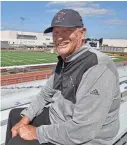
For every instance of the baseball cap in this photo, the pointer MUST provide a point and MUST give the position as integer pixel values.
(66, 18)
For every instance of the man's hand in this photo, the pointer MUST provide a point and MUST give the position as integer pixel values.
(24, 121)
(27, 132)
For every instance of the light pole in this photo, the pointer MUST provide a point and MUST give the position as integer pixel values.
(22, 20)
(21, 24)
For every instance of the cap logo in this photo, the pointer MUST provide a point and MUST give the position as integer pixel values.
(60, 17)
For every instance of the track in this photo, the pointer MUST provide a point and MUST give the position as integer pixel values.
(25, 77)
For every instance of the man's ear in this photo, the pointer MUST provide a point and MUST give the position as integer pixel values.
(83, 31)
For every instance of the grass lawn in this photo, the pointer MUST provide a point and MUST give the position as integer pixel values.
(120, 59)
(12, 58)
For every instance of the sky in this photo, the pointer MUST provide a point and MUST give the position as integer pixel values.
(102, 19)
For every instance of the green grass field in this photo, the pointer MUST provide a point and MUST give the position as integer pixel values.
(118, 59)
(12, 58)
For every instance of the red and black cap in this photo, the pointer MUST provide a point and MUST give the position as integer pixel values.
(66, 18)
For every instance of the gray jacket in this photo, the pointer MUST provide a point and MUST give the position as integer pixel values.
(93, 119)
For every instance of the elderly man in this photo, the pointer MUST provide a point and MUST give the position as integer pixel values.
(80, 102)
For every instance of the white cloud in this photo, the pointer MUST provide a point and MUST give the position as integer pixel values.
(95, 5)
(84, 8)
(89, 11)
(116, 22)
(69, 3)
(52, 10)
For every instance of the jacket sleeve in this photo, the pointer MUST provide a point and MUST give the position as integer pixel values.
(37, 105)
(93, 101)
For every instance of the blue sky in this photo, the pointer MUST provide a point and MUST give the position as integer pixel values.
(102, 19)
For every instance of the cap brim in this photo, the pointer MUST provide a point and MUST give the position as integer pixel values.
(48, 30)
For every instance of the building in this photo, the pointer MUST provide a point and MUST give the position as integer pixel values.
(18, 39)
(113, 49)
(93, 43)
(21, 39)
(115, 42)
(114, 45)
(4, 44)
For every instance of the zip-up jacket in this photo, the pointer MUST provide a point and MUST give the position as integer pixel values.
(83, 97)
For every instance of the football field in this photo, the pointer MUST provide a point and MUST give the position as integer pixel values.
(14, 58)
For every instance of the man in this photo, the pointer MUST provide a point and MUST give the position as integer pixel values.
(80, 102)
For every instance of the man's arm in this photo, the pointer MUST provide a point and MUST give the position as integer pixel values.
(38, 104)
(93, 101)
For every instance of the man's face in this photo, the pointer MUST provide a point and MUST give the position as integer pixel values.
(67, 40)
